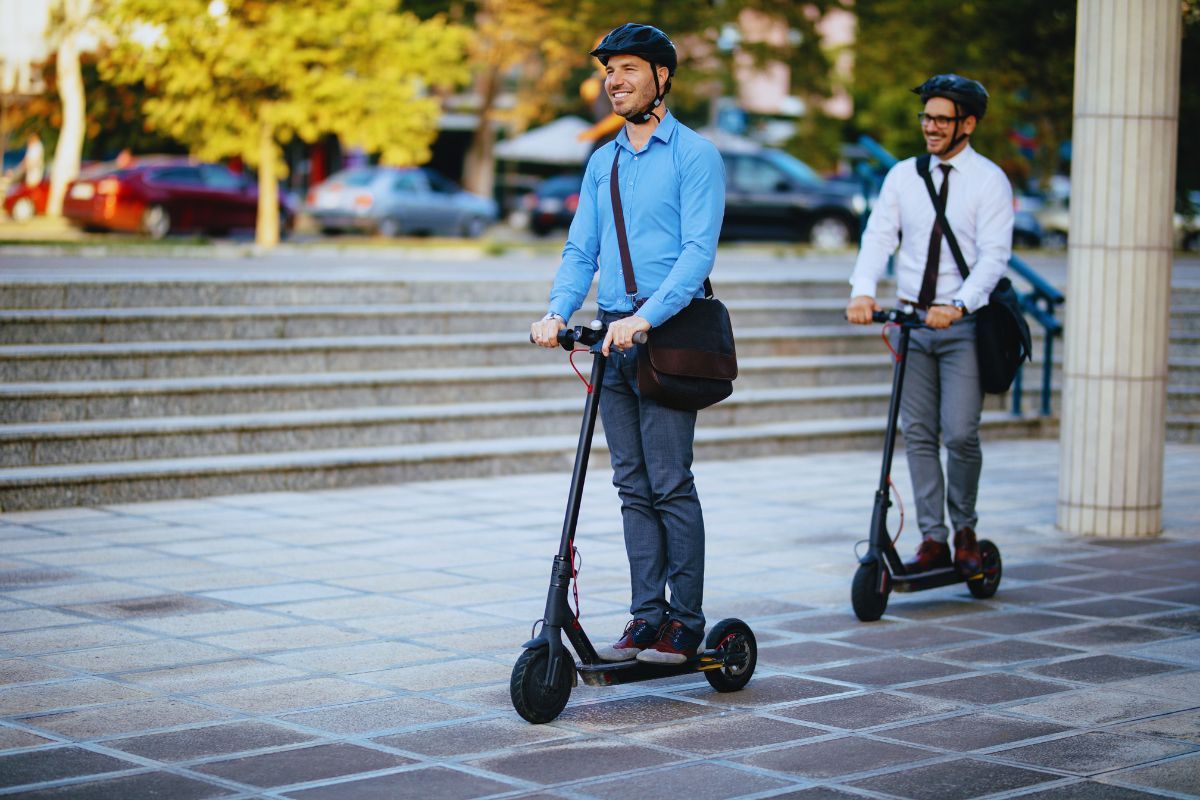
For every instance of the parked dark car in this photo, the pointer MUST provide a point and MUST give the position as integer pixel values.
(770, 194)
(22, 203)
(392, 201)
(162, 195)
(552, 203)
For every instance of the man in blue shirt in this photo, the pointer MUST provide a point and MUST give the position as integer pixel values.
(672, 192)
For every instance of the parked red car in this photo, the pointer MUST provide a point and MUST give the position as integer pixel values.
(22, 203)
(162, 195)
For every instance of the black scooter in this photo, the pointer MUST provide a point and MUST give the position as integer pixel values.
(545, 673)
(880, 569)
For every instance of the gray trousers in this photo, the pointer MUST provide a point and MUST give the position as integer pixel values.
(942, 400)
(650, 446)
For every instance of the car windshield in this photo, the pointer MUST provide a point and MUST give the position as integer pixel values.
(796, 169)
(355, 177)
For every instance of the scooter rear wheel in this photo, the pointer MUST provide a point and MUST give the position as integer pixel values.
(986, 585)
(733, 637)
(869, 603)
(532, 697)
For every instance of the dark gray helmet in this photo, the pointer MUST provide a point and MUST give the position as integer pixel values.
(965, 92)
(644, 41)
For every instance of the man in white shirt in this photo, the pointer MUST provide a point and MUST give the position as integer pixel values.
(941, 398)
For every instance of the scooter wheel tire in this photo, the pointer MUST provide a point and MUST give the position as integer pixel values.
(985, 586)
(869, 603)
(733, 637)
(532, 697)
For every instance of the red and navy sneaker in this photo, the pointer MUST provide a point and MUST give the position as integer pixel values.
(675, 645)
(639, 634)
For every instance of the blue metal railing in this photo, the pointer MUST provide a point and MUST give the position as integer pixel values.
(1040, 302)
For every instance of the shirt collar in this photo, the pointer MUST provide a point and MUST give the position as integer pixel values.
(960, 160)
(663, 132)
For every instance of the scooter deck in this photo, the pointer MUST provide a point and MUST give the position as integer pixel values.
(916, 582)
(612, 673)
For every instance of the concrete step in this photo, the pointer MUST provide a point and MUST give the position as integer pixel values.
(131, 481)
(130, 360)
(1183, 428)
(165, 323)
(190, 436)
(69, 401)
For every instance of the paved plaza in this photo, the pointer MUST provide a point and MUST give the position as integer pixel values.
(358, 644)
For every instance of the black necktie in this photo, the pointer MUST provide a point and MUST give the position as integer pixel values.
(929, 282)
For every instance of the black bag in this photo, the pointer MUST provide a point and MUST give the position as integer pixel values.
(688, 362)
(1002, 338)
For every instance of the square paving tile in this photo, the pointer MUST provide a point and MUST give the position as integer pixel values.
(834, 757)
(378, 715)
(214, 740)
(867, 710)
(1037, 595)
(1113, 607)
(275, 698)
(726, 733)
(152, 784)
(766, 691)
(1102, 669)
(1108, 635)
(1008, 651)
(432, 783)
(480, 736)
(938, 608)
(1180, 594)
(630, 712)
(817, 793)
(1016, 623)
(1092, 753)
(972, 732)
(888, 671)
(1090, 790)
(38, 766)
(304, 764)
(1177, 775)
(909, 637)
(694, 781)
(1120, 582)
(558, 763)
(938, 781)
(1183, 651)
(1098, 706)
(125, 718)
(988, 689)
(1188, 621)
(1034, 571)
(824, 624)
(807, 654)
(1184, 726)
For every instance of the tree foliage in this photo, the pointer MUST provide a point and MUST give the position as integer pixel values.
(238, 77)
(1023, 51)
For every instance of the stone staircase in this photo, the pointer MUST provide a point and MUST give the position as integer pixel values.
(161, 387)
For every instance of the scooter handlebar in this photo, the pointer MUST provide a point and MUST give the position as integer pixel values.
(592, 334)
(905, 315)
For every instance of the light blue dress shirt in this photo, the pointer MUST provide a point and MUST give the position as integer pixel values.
(673, 198)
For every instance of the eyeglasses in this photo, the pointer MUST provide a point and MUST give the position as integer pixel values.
(938, 122)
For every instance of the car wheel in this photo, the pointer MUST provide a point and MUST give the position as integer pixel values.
(473, 227)
(389, 227)
(23, 210)
(830, 233)
(156, 222)
(1054, 240)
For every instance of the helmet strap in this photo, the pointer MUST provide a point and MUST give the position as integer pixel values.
(647, 113)
(955, 139)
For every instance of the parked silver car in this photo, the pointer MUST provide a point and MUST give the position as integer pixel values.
(393, 201)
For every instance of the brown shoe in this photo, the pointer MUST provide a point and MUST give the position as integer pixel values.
(932, 554)
(966, 553)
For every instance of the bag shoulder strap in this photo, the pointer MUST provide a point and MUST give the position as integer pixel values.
(614, 190)
(947, 231)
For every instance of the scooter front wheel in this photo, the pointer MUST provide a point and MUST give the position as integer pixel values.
(869, 603)
(532, 696)
(735, 642)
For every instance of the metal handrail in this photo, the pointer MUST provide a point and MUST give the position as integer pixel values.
(1039, 302)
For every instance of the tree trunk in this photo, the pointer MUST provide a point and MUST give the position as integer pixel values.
(479, 175)
(266, 232)
(70, 90)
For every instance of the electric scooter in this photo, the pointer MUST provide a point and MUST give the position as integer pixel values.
(880, 569)
(545, 673)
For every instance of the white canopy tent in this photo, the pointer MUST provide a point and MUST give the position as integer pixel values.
(554, 143)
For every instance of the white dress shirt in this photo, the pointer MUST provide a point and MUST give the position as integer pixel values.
(979, 208)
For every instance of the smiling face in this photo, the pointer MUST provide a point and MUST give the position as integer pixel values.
(630, 83)
(939, 136)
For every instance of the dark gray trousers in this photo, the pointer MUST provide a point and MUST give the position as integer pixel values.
(941, 403)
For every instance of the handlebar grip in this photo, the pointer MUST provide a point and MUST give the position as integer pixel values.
(880, 316)
(640, 337)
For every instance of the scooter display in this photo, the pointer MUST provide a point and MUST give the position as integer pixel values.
(880, 569)
(545, 673)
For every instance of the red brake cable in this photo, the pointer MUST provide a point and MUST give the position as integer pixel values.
(577, 372)
(887, 341)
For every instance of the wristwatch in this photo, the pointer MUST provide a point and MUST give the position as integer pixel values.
(960, 305)
(552, 315)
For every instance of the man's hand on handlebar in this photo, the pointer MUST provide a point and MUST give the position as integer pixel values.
(861, 308)
(544, 332)
(939, 317)
(621, 332)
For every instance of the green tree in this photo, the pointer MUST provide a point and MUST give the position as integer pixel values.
(239, 77)
(1023, 51)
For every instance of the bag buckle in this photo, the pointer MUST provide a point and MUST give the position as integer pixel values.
(636, 302)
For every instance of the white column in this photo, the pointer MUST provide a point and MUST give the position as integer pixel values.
(1119, 272)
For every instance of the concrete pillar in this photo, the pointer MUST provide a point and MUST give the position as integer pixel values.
(1119, 270)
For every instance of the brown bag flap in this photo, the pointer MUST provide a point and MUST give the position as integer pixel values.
(694, 363)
